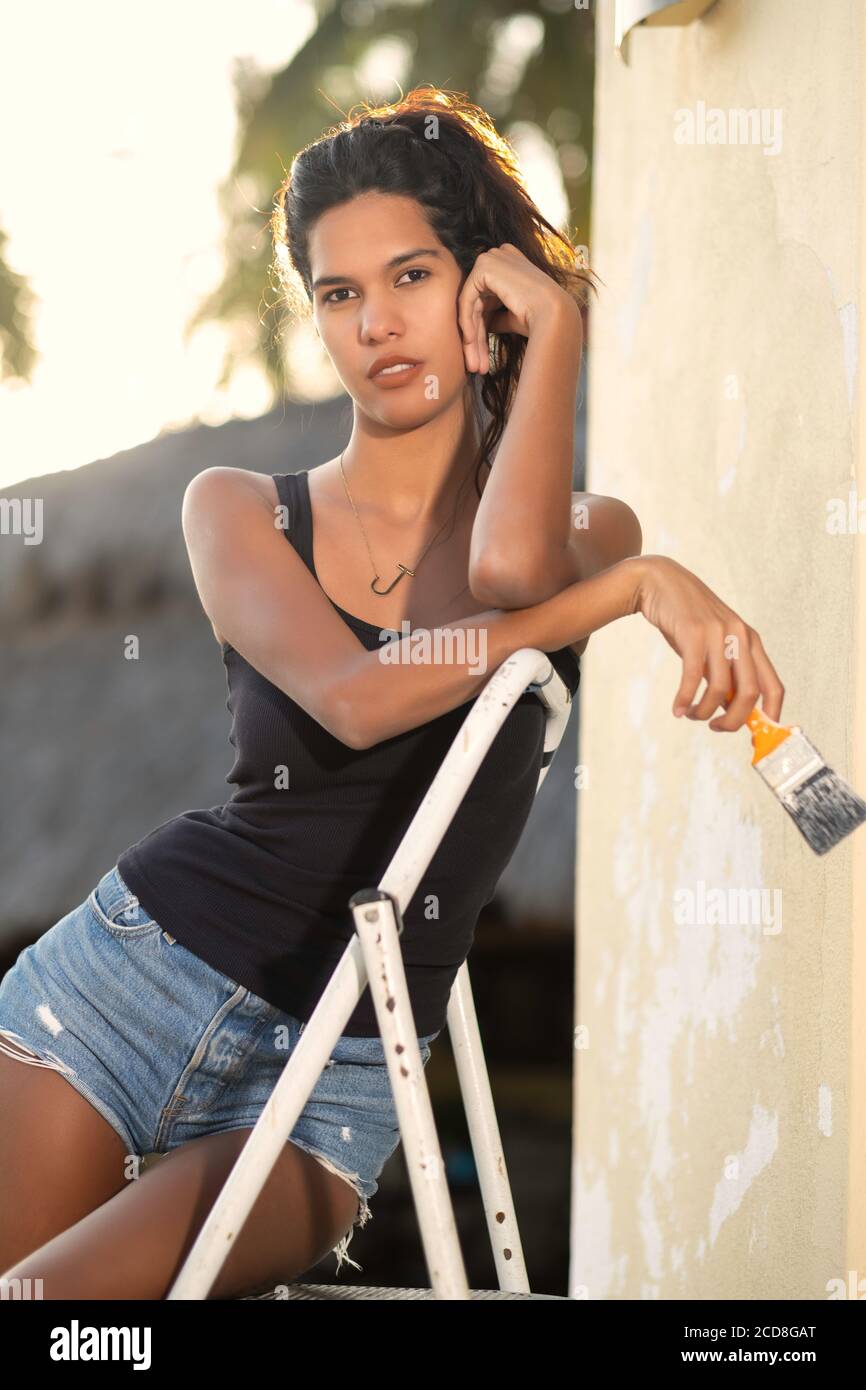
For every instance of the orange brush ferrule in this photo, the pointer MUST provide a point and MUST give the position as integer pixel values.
(766, 733)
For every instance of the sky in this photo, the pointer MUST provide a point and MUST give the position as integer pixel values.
(119, 127)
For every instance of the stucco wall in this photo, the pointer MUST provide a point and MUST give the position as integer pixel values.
(719, 1144)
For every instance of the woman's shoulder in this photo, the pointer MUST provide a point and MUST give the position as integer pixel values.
(263, 484)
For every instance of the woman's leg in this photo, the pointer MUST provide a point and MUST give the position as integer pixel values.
(134, 1245)
(59, 1158)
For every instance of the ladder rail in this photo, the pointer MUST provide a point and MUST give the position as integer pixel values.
(526, 669)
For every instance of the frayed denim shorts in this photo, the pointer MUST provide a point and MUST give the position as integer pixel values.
(167, 1049)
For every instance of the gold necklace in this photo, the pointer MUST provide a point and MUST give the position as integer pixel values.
(404, 569)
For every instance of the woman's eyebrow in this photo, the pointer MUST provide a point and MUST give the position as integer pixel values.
(389, 265)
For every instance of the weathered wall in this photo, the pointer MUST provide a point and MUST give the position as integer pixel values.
(719, 1141)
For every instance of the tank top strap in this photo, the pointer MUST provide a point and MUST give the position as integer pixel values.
(292, 492)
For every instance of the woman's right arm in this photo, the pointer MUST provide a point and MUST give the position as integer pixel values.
(385, 697)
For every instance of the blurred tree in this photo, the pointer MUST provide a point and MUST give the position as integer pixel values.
(16, 314)
(522, 65)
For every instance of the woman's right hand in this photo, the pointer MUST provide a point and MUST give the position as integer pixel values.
(700, 628)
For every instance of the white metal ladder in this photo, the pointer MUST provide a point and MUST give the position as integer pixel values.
(374, 957)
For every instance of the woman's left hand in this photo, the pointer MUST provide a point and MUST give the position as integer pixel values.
(504, 293)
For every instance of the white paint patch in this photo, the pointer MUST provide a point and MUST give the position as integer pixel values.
(345, 1133)
(825, 1110)
(592, 1266)
(651, 1231)
(716, 965)
(44, 1014)
(760, 1148)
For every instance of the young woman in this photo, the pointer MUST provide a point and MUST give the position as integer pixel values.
(148, 1017)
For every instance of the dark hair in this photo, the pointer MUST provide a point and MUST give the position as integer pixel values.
(437, 147)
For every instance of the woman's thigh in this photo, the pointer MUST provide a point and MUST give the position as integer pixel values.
(59, 1157)
(134, 1245)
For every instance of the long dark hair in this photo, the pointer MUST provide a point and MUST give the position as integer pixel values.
(437, 147)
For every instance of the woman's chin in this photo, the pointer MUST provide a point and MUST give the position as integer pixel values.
(401, 411)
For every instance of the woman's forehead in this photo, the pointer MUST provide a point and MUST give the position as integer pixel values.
(369, 230)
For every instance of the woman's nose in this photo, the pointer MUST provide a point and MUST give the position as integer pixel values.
(380, 320)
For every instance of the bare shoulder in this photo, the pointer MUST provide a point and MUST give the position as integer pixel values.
(214, 493)
(222, 481)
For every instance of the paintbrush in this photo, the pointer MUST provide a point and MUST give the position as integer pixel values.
(822, 805)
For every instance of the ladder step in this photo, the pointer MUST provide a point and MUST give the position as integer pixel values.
(340, 1291)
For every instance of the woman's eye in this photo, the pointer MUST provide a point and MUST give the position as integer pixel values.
(416, 270)
(344, 289)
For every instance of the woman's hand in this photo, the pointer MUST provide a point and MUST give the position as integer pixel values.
(714, 644)
(504, 293)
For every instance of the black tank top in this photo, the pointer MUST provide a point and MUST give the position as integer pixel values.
(258, 887)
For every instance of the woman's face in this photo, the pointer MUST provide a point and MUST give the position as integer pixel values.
(374, 305)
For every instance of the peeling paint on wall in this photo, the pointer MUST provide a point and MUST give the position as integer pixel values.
(743, 1168)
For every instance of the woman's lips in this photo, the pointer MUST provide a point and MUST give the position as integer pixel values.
(390, 379)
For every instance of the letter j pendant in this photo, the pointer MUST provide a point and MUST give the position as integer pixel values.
(405, 570)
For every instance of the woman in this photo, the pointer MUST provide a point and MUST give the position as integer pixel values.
(161, 998)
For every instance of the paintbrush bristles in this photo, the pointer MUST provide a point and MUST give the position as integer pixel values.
(823, 806)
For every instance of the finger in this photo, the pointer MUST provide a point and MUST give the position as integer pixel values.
(719, 680)
(746, 692)
(470, 350)
(480, 334)
(693, 670)
(466, 322)
(705, 675)
(772, 689)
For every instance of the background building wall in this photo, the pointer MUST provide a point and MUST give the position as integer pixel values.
(718, 1069)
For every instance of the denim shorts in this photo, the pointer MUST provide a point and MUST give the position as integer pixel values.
(167, 1048)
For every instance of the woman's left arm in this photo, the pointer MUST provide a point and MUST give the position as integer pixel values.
(532, 535)
(604, 530)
